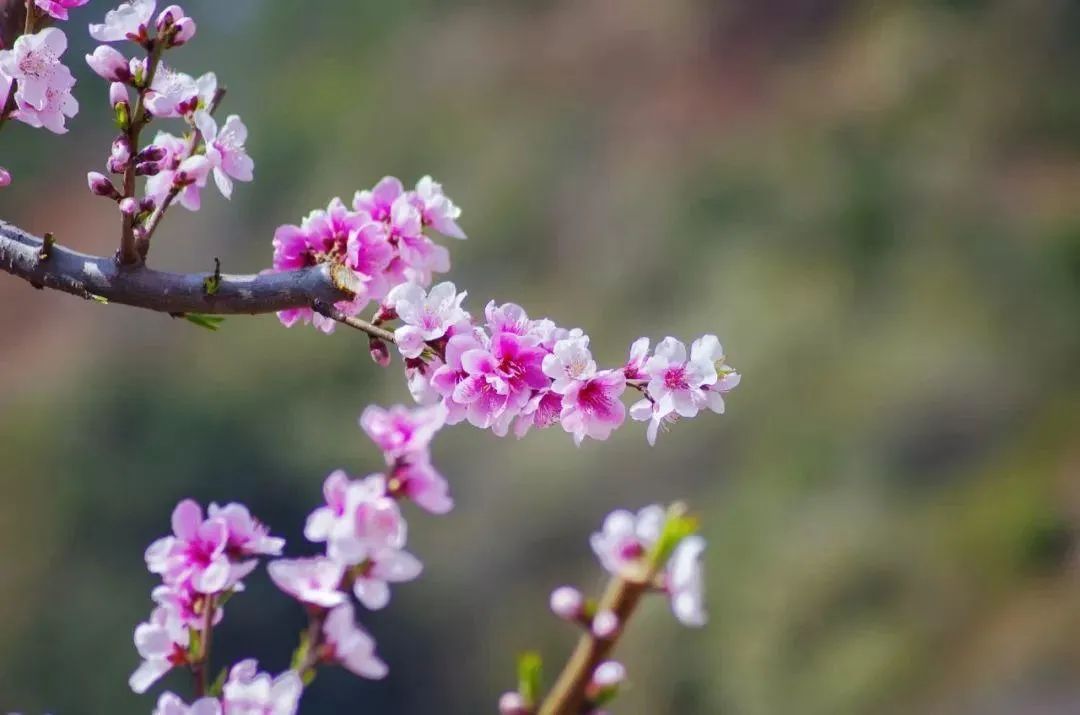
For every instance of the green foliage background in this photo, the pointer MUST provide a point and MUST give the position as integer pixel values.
(875, 205)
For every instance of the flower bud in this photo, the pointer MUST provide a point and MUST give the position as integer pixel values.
(118, 93)
(512, 704)
(605, 625)
(129, 206)
(608, 674)
(151, 152)
(5, 177)
(101, 186)
(147, 168)
(183, 31)
(147, 204)
(116, 166)
(567, 602)
(120, 149)
(109, 64)
(168, 17)
(380, 353)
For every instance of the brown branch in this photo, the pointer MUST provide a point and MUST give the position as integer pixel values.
(101, 278)
(330, 311)
(129, 254)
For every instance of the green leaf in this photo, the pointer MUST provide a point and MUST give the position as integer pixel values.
(300, 654)
(99, 298)
(219, 683)
(210, 322)
(530, 674)
(676, 528)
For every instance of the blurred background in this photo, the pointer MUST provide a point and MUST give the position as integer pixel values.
(874, 205)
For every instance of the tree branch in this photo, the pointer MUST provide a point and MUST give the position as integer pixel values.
(97, 278)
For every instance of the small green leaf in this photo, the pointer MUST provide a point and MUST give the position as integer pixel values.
(530, 674)
(219, 683)
(210, 322)
(676, 528)
(307, 676)
(300, 654)
(99, 298)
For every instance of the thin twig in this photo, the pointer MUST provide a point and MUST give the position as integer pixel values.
(330, 311)
(128, 254)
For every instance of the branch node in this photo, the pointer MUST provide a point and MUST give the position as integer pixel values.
(212, 282)
(46, 246)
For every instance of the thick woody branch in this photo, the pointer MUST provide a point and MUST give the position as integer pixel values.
(49, 265)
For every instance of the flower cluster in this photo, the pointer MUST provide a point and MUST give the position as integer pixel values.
(177, 167)
(365, 533)
(381, 239)
(247, 690)
(503, 370)
(201, 565)
(35, 85)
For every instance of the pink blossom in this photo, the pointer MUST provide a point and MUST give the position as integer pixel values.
(500, 380)
(541, 411)
(59, 106)
(686, 583)
(418, 481)
(350, 645)
(446, 378)
(162, 644)
(605, 624)
(225, 150)
(187, 605)
(5, 177)
(567, 603)
(250, 692)
(127, 22)
(369, 253)
(247, 536)
(59, 8)
(679, 384)
(197, 553)
(608, 674)
(320, 523)
(400, 432)
(381, 568)
(592, 408)
(422, 256)
(312, 580)
(170, 704)
(109, 64)
(178, 168)
(569, 362)
(646, 410)
(371, 523)
(511, 703)
(34, 62)
(635, 366)
(625, 538)
(172, 93)
(507, 318)
(377, 202)
(436, 209)
(427, 315)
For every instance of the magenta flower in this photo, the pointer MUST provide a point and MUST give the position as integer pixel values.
(350, 645)
(541, 411)
(162, 644)
(170, 704)
(569, 362)
(446, 378)
(187, 605)
(500, 380)
(127, 22)
(377, 202)
(625, 538)
(225, 150)
(592, 408)
(5, 177)
(427, 315)
(400, 432)
(247, 536)
(369, 253)
(59, 8)
(436, 209)
(312, 580)
(635, 366)
(507, 318)
(250, 692)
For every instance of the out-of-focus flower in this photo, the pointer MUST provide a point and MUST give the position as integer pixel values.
(162, 643)
(625, 537)
(250, 692)
(685, 582)
(311, 580)
(170, 704)
(350, 645)
(401, 432)
(59, 8)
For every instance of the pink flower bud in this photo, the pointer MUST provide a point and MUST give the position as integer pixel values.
(109, 64)
(566, 603)
(512, 704)
(5, 177)
(605, 625)
(147, 168)
(183, 31)
(152, 152)
(120, 149)
(101, 186)
(608, 674)
(118, 93)
(380, 353)
(168, 17)
(129, 206)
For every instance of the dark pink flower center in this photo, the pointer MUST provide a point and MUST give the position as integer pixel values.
(593, 398)
(675, 378)
(631, 550)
